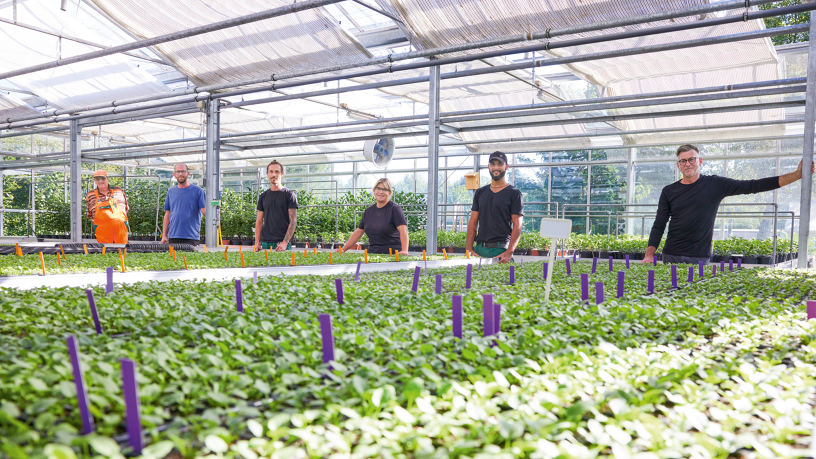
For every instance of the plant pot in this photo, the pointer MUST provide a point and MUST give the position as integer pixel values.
(584, 254)
(749, 260)
(534, 252)
(416, 248)
(225, 241)
(520, 252)
(636, 256)
(765, 260)
(235, 242)
(248, 242)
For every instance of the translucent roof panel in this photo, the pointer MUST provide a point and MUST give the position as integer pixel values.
(99, 80)
(308, 39)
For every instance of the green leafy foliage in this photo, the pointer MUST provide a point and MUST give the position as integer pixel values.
(719, 366)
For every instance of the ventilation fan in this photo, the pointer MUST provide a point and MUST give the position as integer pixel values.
(379, 151)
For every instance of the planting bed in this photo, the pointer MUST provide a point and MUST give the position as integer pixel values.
(81, 263)
(719, 367)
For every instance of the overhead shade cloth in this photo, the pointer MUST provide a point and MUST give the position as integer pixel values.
(304, 40)
(12, 107)
(434, 23)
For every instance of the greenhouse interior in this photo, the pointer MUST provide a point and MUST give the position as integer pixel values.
(599, 212)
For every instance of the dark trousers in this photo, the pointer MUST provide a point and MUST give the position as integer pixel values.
(175, 240)
(677, 260)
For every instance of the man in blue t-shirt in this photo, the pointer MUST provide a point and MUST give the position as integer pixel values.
(183, 208)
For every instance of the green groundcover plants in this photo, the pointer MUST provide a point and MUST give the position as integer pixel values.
(722, 366)
(30, 264)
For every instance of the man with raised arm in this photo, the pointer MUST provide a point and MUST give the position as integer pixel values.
(692, 204)
(277, 212)
(497, 211)
(183, 207)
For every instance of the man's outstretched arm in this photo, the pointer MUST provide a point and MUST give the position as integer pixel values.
(787, 179)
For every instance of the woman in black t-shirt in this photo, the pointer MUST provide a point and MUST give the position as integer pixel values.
(383, 223)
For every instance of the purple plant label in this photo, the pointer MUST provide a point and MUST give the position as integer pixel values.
(109, 284)
(674, 276)
(584, 287)
(575, 257)
(468, 275)
(739, 263)
(714, 271)
(487, 314)
(338, 283)
(545, 270)
(79, 382)
(731, 265)
(654, 261)
(456, 303)
(327, 336)
(691, 274)
(650, 286)
(610, 264)
(94, 311)
(811, 310)
(239, 296)
(512, 275)
(496, 318)
(599, 293)
(521, 262)
(722, 266)
(701, 270)
(255, 278)
(480, 264)
(438, 287)
(357, 273)
(594, 264)
(569, 270)
(627, 261)
(132, 406)
(415, 285)
(621, 282)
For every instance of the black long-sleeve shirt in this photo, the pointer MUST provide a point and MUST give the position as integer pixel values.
(693, 209)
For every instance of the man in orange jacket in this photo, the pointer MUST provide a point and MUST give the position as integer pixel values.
(107, 207)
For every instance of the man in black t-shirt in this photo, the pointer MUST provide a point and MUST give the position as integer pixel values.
(692, 204)
(497, 211)
(277, 213)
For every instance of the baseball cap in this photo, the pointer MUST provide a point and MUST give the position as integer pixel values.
(100, 173)
(498, 155)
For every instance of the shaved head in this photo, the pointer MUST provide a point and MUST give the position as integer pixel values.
(180, 167)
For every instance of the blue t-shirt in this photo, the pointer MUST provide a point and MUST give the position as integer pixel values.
(185, 206)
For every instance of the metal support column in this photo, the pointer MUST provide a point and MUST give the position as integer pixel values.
(476, 163)
(630, 187)
(33, 204)
(355, 179)
(75, 171)
(212, 174)
(807, 153)
(433, 158)
(125, 178)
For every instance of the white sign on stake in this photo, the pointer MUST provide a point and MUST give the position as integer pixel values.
(555, 229)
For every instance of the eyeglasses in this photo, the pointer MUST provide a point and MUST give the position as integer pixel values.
(181, 172)
(683, 162)
(382, 189)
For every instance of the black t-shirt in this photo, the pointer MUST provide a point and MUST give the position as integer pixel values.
(693, 209)
(380, 225)
(275, 206)
(495, 212)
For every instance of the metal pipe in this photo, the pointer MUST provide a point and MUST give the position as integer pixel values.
(807, 153)
(76, 182)
(391, 58)
(156, 229)
(433, 158)
(505, 68)
(539, 112)
(233, 22)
